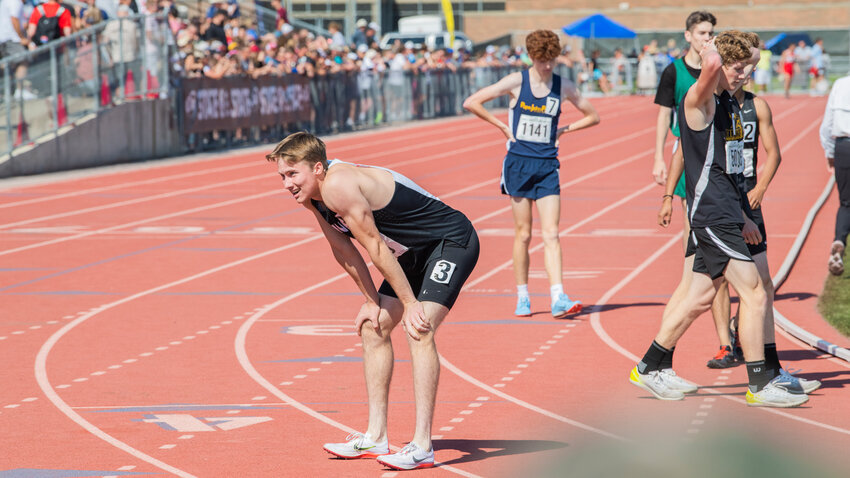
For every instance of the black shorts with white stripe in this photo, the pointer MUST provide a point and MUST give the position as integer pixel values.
(754, 249)
(716, 245)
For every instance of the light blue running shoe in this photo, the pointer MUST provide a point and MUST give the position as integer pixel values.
(564, 306)
(523, 307)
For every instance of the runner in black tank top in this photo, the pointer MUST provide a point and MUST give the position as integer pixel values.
(758, 123)
(424, 249)
(712, 144)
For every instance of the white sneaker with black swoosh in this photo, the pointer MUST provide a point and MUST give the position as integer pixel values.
(358, 445)
(411, 457)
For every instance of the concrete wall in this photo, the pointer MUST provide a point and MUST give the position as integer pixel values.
(131, 131)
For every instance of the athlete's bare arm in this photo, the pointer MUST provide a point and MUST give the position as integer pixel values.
(699, 101)
(352, 262)
(677, 165)
(662, 125)
(509, 85)
(767, 133)
(570, 93)
(342, 193)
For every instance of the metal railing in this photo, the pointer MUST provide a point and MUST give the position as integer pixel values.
(65, 81)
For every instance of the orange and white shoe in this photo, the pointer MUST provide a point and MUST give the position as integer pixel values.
(358, 445)
(411, 457)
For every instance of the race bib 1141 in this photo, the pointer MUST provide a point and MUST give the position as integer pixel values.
(535, 129)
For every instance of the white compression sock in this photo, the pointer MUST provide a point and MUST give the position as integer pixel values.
(556, 291)
(522, 291)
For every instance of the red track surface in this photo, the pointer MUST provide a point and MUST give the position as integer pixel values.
(188, 319)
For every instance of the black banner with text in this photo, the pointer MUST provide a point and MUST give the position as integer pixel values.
(236, 102)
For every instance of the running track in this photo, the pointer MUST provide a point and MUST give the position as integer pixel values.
(186, 318)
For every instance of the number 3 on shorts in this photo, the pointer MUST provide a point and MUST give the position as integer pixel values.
(442, 271)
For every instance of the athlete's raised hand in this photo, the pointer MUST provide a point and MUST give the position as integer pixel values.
(369, 311)
(665, 214)
(414, 321)
(751, 232)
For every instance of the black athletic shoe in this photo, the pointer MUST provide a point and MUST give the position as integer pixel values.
(725, 358)
(737, 351)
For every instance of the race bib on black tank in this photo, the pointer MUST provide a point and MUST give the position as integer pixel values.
(734, 157)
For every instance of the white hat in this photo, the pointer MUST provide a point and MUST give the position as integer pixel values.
(286, 29)
(361, 48)
(491, 49)
(362, 23)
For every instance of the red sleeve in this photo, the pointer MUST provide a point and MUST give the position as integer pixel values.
(34, 17)
(65, 19)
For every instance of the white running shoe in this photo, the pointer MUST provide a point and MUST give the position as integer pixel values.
(836, 261)
(675, 382)
(358, 445)
(808, 386)
(775, 395)
(654, 384)
(411, 457)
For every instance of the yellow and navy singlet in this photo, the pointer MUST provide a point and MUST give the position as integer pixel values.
(534, 121)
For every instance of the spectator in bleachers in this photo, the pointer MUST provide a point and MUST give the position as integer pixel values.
(214, 7)
(337, 39)
(90, 15)
(232, 9)
(282, 16)
(359, 37)
(215, 29)
(13, 37)
(49, 21)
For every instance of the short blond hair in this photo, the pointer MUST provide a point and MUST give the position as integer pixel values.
(300, 146)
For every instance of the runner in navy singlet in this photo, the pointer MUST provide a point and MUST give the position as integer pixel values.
(424, 249)
(712, 145)
(530, 168)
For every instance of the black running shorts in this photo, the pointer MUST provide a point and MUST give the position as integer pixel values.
(716, 245)
(437, 275)
(754, 249)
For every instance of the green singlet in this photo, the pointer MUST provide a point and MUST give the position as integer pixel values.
(684, 80)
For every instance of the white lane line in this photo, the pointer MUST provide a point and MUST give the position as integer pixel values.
(47, 389)
(141, 221)
(41, 358)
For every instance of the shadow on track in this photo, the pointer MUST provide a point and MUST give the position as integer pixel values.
(475, 450)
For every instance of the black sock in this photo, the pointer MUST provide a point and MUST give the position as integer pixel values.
(759, 375)
(771, 358)
(667, 361)
(652, 359)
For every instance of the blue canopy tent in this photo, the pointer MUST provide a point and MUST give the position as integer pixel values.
(598, 26)
(780, 42)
